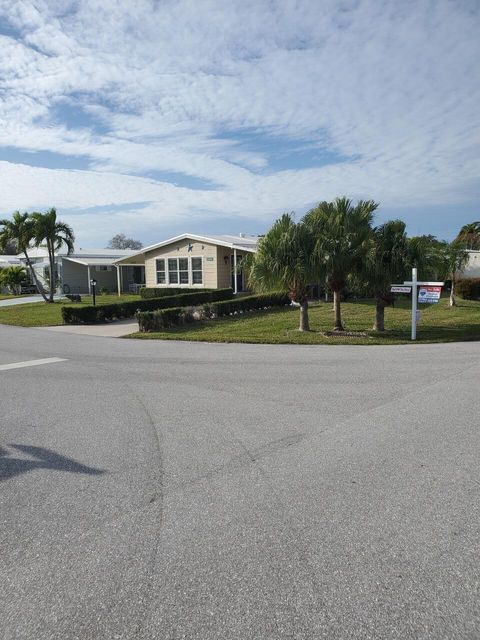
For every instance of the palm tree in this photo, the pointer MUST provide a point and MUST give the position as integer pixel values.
(12, 277)
(20, 231)
(54, 234)
(284, 260)
(342, 232)
(385, 264)
(469, 236)
(453, 258)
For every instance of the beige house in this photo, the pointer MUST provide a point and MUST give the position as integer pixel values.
(189, 260)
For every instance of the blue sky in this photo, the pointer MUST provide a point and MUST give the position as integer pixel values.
(152, 118)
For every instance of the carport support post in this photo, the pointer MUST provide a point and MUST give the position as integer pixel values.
(119, 280)
(89, 280)
(414, 303)
(235, 282)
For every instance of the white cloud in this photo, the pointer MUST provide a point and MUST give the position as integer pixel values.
(391, 87)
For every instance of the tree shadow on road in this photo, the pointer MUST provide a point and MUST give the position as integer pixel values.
(42, 459)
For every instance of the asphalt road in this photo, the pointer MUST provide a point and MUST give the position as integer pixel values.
(171, 490)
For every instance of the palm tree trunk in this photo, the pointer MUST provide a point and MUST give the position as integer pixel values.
(452, 302)
(51, 257)
(304, 323)
(337, 311)
(379, 324)
(36, 281)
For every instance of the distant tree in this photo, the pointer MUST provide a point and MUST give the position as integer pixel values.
(21, 231)
(120, 241)
(453, 259)
(12, 277)
(284, 260)
(9, 248)
(425, 253)
(53, 233)
(469, 236)
(342, 232)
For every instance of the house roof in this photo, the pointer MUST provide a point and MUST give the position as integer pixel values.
(41, 252)
(7, 261)
(90, 261)
(242, 242)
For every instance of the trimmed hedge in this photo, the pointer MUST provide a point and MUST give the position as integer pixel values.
(468, 288)
(248, 303)
(166, 318)
(161, 319)
(159, 292)
(107, 312)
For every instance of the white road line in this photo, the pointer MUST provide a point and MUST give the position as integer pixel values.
(30, 363)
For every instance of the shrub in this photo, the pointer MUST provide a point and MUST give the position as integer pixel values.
(161, 319)
(146, 293)
(104, 291)
(248, 303)
(107, 312)
(468, 288)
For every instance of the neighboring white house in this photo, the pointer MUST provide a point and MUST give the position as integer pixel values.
(75, 271)
(472, 270)
(9, 261)
(190, 260)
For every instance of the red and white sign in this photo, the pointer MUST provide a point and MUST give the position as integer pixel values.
(429, 294)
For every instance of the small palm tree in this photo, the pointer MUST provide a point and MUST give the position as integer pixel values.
(20, 232)
(342, 232)
(469, 236)
(453, 258)
(53, 233)
(385, 264)
(284, 260)
(12, 277)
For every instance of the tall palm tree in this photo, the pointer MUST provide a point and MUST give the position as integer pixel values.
(20, 231)
(342, 232)
(53, 233)
(385, 264)
(469, 236)
(284, 260)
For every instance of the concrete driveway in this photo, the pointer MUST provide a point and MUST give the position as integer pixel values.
(24, 300)
(115, 329)
(237, 492)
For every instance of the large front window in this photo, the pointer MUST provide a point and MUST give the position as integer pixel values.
(178, 271)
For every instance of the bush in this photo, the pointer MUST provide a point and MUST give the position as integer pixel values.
(161, 319)
(468, 288)
(107, 312)
(248, 303)
(146, 293)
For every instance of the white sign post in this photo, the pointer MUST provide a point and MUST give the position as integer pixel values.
(414, 303)
(430, 295)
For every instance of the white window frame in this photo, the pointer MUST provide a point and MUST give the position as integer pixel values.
(157, 271)
(190, 283)
(190, 273)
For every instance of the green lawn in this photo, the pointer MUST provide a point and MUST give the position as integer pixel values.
(439, 323)
(41, 314)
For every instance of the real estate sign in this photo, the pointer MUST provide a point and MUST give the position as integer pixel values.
(429, 294)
